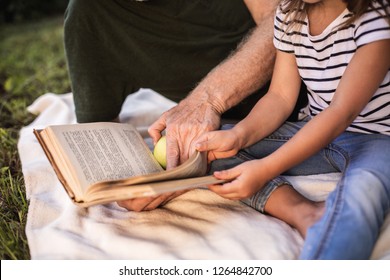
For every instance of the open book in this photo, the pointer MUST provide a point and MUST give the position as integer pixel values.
(103, 162)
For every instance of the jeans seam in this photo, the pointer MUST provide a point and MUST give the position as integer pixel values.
(337, 205)
(276, 137)
(242, 155)
(337, 149)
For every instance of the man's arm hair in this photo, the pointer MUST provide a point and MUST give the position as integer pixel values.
(248, 68)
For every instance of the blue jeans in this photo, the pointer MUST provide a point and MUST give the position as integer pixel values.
(355, 210)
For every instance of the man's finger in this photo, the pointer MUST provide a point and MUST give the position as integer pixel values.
(156, 129)
(162, 200)
(173, 153)
(137, 204)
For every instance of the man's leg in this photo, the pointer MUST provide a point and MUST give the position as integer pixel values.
(115, 47)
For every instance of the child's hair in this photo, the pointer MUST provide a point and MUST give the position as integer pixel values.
(297, 9)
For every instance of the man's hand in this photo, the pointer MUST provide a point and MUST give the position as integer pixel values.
(148, 203)
(183, 124)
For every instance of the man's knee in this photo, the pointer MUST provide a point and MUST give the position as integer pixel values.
(76, 8)
(79, 11)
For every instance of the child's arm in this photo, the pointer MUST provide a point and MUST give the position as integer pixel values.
(267, 115)
(360, 81)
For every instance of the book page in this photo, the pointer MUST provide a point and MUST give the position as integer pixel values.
(103, 151)
(148, 189)
(195, 166)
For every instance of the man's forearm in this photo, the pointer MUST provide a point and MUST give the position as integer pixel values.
(246, 70)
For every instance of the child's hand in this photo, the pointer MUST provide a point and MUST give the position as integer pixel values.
(218, 144)
(245, 180)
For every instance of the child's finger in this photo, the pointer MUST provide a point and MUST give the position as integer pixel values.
(228, 174)
(227, 190)
(206, 143)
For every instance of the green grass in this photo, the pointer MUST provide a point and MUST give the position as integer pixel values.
(32, 63)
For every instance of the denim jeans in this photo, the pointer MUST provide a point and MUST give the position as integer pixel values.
(355, 210)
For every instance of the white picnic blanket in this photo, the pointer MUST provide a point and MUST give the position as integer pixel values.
(196, 225)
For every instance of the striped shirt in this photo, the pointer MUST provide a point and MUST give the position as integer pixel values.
(322, 60)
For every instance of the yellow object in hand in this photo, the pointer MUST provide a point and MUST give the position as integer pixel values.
(160, 151)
